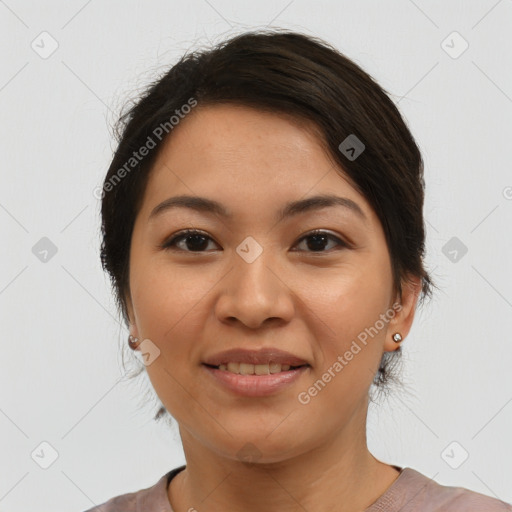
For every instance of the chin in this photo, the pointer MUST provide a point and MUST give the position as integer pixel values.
(255, 446)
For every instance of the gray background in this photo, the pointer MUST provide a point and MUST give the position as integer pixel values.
(61, 375)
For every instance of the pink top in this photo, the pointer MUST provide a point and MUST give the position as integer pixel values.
(410, 492)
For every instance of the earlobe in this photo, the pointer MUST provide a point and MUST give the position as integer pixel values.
(400, 325)
(133, 338)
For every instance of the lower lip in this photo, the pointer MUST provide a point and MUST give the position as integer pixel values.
(255, 385)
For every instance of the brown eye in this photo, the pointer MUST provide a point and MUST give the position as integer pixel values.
(318, 239)
(194, 241)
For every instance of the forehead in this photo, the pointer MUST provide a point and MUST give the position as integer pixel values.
(224, 130)
(247, 158)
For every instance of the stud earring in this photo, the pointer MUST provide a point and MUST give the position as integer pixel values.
(397, 337)
(133, 342)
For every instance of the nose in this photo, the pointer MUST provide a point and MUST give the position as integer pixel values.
(254, 293)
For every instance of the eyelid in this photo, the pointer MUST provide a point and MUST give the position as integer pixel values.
(166, 244)
(169, 243)
(341, 242)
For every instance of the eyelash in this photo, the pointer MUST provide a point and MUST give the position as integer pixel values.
(171, 243)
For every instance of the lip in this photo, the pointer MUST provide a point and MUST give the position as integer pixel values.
(255, 385)
(261, 356)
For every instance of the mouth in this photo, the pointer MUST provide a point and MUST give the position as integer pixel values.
(255, 380)
(254, 372)
(255, 369)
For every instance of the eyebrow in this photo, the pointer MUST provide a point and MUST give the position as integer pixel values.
(205, 205)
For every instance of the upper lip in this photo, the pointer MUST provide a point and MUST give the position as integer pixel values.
(262, 356)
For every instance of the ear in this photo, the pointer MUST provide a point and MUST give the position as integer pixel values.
(131, 316)
(404, 312)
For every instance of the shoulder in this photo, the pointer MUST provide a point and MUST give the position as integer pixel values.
(126, 502)
(149, 499)
(419, 492)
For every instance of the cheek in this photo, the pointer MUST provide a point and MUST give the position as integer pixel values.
(167, 305)
(350, 343)
(164, 298)
(350, 304)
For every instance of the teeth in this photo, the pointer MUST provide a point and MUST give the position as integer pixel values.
(276, 367)
(261, 369)
(254, 369)
(245, 369)
(233, 367)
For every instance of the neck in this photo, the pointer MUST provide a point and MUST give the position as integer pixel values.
(339, 474)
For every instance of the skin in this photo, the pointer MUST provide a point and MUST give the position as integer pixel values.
(311, 302)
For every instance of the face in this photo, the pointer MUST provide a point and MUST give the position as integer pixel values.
(255, 279)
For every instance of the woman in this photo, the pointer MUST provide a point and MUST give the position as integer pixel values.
(263, 230)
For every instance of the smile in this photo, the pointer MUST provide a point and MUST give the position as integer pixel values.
(256, 369)
(254, 384)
